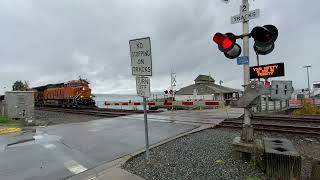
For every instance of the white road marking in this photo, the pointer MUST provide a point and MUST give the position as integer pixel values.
(74, 167)
(93, 178)
(49, 146)
(38, 137)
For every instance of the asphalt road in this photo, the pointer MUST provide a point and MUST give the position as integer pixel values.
(61, 151)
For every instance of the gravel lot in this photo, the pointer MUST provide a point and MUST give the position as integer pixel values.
(201, 156)
(51, 118)
(207, 155)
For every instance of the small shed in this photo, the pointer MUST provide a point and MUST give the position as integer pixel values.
(19, 104)
(205, 88)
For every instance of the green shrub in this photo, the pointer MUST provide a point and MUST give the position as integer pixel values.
(307, 109)
(3, 120)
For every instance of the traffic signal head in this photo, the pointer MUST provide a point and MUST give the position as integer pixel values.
(264, 38)
(223, 41)
(227, 44)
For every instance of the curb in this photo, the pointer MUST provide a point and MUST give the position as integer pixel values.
(9, 130)
(117, 163)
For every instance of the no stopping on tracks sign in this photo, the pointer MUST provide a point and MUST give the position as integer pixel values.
(141, 60)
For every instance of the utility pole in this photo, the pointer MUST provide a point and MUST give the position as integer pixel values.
(247, 129)
(307, 67)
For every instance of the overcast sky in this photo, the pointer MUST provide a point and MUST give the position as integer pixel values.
(51, 41)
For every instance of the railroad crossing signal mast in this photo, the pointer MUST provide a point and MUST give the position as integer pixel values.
(173, 84)
(264, 37)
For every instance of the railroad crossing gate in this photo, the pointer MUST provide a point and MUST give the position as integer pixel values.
(281, 90)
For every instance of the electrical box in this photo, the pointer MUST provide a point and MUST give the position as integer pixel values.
(19, 104)
(281, 90)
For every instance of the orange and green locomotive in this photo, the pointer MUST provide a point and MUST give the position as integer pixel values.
(75, 93)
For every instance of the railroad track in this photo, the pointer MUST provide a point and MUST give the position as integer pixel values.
(299, 125)
(95, 112)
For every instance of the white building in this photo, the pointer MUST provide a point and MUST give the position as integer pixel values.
(205, 88)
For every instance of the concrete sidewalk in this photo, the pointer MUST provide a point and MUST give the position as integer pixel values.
(115, 173)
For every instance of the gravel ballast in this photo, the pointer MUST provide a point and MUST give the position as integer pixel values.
(52, 118)
(200, 156)
(207, 155)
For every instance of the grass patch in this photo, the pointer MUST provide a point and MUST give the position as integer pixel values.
(307, 109)
(4, 120)
(7, 122)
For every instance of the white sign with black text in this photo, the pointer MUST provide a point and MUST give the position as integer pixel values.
(141, 61)
(245, 16)
(143, 86)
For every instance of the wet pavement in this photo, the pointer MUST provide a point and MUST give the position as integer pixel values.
(195, 117)
(60, 151)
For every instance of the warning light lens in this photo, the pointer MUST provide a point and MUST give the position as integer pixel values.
(267, 83)
(222, 41)
(227, 43)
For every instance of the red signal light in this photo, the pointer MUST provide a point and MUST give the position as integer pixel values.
(267, 83)
(222, 40)
(227, 44)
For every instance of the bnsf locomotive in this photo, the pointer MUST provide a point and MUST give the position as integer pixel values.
(75, 93)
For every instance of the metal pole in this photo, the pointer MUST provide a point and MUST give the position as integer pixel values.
(267, 103)
(171, 88)
(307, 67)
(171, 84)
(247, 130)
(308, 81)
(259, 103)
(146, 127)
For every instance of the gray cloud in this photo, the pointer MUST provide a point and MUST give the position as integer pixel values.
(50, 42)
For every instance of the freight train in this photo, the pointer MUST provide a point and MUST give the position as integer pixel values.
(75, 93)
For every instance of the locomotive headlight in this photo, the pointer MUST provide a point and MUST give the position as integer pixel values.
(81, 96)
(83, 89)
